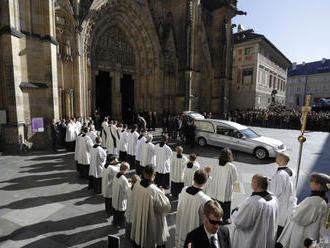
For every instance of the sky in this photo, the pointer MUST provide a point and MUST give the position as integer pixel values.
(300, 29)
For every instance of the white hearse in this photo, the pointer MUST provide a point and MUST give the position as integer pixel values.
(237, 137)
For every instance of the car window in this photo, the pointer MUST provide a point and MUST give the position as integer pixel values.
(204, 126)
(249, 133)
(225, 131)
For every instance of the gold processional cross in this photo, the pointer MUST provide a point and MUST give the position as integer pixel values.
(304, 110)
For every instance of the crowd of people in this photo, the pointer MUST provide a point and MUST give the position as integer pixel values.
(270, 217)
(278, 116)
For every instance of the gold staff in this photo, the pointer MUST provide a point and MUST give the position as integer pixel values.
(304, 110)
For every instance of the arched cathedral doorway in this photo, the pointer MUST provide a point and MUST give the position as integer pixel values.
(114, 66)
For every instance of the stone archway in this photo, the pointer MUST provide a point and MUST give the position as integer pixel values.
(134, 27)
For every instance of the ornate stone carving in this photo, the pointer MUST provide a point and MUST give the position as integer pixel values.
(113, 48)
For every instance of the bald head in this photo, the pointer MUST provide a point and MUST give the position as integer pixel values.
(259, 183)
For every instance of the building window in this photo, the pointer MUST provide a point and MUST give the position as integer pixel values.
(297, 100)
(261, 71)
(247, 75)
(248, 50)
(270, 80)
(259, 100)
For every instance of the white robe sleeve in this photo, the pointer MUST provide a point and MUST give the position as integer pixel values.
(245, 217)
(305, 215)
(162, 205)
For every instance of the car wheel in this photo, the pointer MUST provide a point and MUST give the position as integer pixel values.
(202, 142)
(261, 153)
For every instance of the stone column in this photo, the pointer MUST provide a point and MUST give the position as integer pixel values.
(116, 95)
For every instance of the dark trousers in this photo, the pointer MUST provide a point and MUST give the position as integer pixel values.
(163, 180)
(77, 166)
(138, 168)
(176, 188)
(122, 156)
(91, 182)
(119, 218)
(226, 209)
(97, 185)
(84, 170)
(131, 161)
(70, 146)
(108, 205)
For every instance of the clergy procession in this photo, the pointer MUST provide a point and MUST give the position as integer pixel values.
(138, 178)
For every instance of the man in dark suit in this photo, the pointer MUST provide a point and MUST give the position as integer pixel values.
(211, 234)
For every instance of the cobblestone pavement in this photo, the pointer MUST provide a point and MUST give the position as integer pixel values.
(43, 202)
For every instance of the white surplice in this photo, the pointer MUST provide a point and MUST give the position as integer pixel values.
(139, 142)
(98, 160)
(282, 186)
(103, 133)
(120, 186)
(84, 150)
(255, 223)
(107, 179)
(188, 173)
(132, 139)
(189, 214)
(177, 168)
(78, 145)
(70, 134)
(148, 154)
(305, 221)
(123, 142)
(163, 158)
(149, 226)
(92, 135)
(221, 185)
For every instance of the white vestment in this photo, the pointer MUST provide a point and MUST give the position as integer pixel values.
(92, 135)
(138, 149)
(98, 160)
(163, 158)
(189, 214)
(86, 146)
(188, 173)
(103, 133)
(149, 226)
(78, 146)
(305, 222)
(78, 126)
(177, 168)
(107, 179)
(120, 186)
(123, 142)
(148, 154)
(255, 223)
(282, 186)
(113, 148)
(221, 185)
(70, 134)
(132, 139)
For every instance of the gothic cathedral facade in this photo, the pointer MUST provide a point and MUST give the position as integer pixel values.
(65, 58)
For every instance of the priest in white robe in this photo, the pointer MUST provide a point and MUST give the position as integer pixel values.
(123, 144)
(84, 158)
(309, 216)
(190, 208)
(78, 126)
(141, 140)
(120, 189)
(189, 170)
(92, 133)
(256, 219)
(103, 134)
(98, 160)
(149, 226)
(107, 178)
(133, 136)
(223, 175)
(113, 149)
(70, 135)
(77, 151)
(178, 164)
(163, 163)
(282, 186)
(148, 154)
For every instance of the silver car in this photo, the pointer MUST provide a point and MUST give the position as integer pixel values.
(237, 137)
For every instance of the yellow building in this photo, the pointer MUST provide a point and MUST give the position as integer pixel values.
(65, 58)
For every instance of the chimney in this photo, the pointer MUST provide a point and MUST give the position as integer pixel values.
(294, 65)
(323, 60)
(240, 28)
